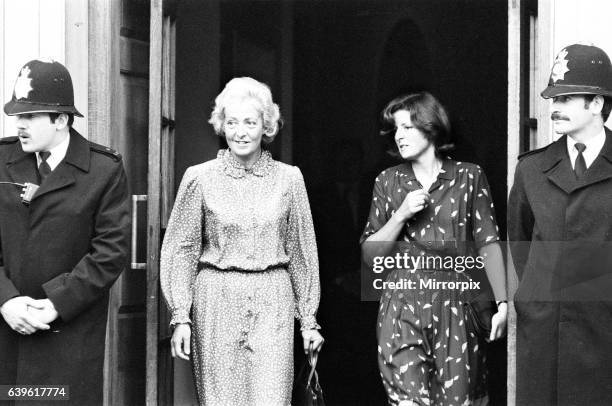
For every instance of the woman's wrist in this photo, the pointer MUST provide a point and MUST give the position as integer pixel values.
(401, 218)
(308, 330)
(180, 316)
(309, 323)
(502, 306)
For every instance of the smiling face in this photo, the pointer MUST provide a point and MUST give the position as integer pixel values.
(243, 129)
(37, 133)
(573, 115)
(411, 142)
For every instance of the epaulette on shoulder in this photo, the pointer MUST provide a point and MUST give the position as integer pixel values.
(8, 140)
(532, 152)
(105, 150)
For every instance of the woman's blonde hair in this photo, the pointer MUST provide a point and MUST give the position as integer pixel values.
(242, 89)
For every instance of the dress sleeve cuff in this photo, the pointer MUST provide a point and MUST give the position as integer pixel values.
(179, 317)
(309, 323)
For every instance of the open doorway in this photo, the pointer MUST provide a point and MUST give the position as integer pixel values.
(332, 65)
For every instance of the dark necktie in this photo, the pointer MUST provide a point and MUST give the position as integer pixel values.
(44, 169)
(580, 165)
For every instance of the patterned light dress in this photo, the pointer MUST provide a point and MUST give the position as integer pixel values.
(425, 354)
(238, 262)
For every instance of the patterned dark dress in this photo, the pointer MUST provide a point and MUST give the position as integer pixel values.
(425, 353)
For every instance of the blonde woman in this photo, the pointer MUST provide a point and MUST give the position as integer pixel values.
(239, 259)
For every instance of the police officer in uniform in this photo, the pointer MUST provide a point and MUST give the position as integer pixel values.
(62, 246)
(560, 227)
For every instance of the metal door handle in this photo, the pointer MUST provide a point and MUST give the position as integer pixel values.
(135, 200)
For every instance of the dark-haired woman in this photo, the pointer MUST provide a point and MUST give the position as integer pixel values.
(427, 355)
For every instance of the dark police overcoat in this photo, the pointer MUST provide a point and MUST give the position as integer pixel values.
(69, 245)
(560, 230)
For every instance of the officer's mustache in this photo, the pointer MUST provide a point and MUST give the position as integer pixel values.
(558, 116)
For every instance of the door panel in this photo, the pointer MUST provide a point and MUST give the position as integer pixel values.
(156, 385)
(128, 317)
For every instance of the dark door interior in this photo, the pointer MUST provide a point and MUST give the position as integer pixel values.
(348, 59)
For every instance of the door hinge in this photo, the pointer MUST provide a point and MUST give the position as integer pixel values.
(166, 122)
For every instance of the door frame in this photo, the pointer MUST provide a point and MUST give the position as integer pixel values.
(153, 203)
(103, 127)
(162, 55)
(525, 110)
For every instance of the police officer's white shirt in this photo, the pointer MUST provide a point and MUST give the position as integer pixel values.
(593, 147)
(57, 154)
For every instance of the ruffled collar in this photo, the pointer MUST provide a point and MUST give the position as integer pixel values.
(234, 168)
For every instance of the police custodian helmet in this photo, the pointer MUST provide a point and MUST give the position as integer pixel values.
(580, 69)
(43, 86)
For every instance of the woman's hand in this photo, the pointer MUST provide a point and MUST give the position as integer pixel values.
(413, 203)
(181, 341)
(312, 336)
(499, 322)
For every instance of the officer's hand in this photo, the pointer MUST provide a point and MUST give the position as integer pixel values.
(47, 312)
(498, 322)
(16, 315)
(180, 345)
(413, 203)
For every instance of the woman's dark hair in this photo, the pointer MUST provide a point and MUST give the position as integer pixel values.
(426, 114)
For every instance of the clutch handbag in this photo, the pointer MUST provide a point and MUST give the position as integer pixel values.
(479, 315)
(308, 389)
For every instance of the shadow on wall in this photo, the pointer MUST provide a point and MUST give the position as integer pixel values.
(349, 361)
(404, 67)
(405, 64)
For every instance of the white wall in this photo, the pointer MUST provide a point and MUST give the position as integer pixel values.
(579, 21)
(586, 21)
(33, 29)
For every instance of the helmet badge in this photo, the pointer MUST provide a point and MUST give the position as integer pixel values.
(560, 67)
(22, 86)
